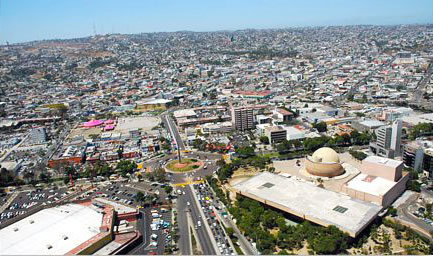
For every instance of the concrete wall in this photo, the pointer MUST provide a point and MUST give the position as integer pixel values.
(97, 245)
(361, 195)
(384, 200)
(380, 170)
(396, 191)
(323, 169)
(130, 216)
(124, 249)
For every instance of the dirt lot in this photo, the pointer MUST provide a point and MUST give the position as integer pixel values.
(84, 131)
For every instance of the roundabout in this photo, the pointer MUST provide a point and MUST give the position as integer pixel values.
(187, 165)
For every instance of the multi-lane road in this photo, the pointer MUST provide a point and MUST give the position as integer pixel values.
(171, 127)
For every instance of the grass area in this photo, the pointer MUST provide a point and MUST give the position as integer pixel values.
(56, 106)
(271, 155)
(238, 249)
(195, 250)
(186, 165)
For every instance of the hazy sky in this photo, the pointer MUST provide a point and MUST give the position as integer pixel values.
(26, 20)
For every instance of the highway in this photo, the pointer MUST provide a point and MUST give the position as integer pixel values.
(420, 89)
(183, 224)
(171, 126)
(203, 234)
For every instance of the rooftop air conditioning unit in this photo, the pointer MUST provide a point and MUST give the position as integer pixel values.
(32, 221)
(65, 237)
(49, 246)
(16, 229)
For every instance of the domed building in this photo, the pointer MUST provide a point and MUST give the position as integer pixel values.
(324, 162)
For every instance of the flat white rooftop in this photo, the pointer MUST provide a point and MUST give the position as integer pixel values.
(374, 185)
(383, 161)
(308, 201)
(184, 113)
(50, 226)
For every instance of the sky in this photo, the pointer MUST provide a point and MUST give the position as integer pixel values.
(28, 20)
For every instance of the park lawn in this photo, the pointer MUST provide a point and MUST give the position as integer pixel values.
(186, 165)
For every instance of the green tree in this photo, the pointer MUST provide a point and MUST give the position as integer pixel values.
(140, 197)
(264, 140)
(168, 189)
(245, 152)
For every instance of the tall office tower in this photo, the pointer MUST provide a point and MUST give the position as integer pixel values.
(397, 126)
(242, 118)
(388, 142)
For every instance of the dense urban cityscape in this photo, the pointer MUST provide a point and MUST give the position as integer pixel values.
(314, 140)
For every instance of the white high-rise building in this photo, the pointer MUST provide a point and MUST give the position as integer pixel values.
(388, 142)
(396, 137)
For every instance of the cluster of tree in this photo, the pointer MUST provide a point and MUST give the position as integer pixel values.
(45, 177)
(126, 167)
(218, 191)
(150, 199)
(99, 168)
(358, 138)
(245, 152)
(157, 175)
(287, 145)
(413, 183)
(409, 234)
(264, 140)
(256, 221)
(247, 158)
(320, 126)
(225, 171)
(22, 72)
(165, 143)
(99, 62)
(8, 178)
(359, 155)
(130, 66)
(312, 144)
(421, 129)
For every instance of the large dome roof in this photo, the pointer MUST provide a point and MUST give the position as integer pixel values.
(325, 155)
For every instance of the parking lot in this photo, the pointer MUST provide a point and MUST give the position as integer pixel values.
(27, 200)
(157, 222)
(209, 206)
(160, 230)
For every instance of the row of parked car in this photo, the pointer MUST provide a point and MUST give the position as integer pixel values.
(420, 213)
(208, 205)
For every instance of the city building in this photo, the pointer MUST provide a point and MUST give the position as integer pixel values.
(282, 116)
(324, 162)
(388, 142)
(242, 118)
(309, 202)
(275, 134)
(381, 181)
(38, 135)
(295, 133)
(367, 125)
(419, 156)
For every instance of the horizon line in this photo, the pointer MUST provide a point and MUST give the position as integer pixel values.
(214, 31)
